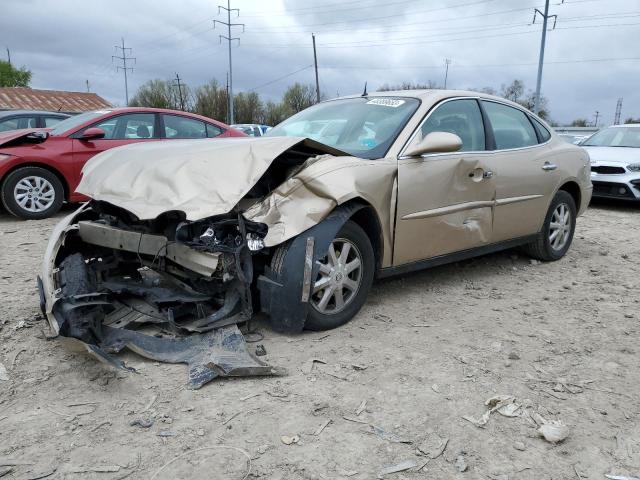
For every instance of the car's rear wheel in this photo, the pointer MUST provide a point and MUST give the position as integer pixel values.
(557, 232)
(343, 281)
(32, 193)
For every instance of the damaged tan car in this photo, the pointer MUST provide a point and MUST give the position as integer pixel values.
(183, 241)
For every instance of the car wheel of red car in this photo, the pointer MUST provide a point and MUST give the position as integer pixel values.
(32, 193)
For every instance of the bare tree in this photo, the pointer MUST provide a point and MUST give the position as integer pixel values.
(298, 97)
(430, 85)
(248, 108)
(157, 94)
(210, 100)
(513, 91)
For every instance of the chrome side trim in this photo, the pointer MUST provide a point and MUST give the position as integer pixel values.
(524, 198)
(458, 207)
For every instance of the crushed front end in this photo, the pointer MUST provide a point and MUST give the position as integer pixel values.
(169, 289)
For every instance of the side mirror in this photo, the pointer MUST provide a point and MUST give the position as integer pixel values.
(92, 133)
(435, 142)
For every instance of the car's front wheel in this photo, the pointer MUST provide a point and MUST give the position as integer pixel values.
(557, 232)
(343, 281)
(32, 193)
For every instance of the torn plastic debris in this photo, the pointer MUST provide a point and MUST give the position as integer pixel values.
(503, 404)
(219, 353)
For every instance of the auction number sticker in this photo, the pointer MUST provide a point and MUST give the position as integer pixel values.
(386, 102)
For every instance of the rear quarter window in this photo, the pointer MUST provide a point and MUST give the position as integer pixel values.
(511, 127)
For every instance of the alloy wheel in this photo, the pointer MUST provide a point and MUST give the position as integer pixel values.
(339, 277)
(560, 227)
(34, 194)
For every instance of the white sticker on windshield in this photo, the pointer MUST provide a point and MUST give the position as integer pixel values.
(386, 102)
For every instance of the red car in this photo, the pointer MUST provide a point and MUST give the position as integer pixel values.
(41, 168)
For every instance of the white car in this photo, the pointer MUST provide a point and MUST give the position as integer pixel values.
(252, 129)
(615, 162)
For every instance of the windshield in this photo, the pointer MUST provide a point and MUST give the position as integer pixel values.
(364, 127)
(76, 121)
(615, 137)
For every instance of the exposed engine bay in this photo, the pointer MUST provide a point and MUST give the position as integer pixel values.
(163, 279)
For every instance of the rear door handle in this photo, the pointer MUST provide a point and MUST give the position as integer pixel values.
(547, 167)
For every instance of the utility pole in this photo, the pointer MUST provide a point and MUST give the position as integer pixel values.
(8, 56)
(616, 119)
(229, 39)
(124, 67)
(88, 89)
(315, 63)
(227, 90)
(180, 91)
(595, 124)
(447, 62)
(545, 18)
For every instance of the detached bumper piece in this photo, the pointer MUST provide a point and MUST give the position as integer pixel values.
(220, 353)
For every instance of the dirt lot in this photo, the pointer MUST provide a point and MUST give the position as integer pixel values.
(426, 350)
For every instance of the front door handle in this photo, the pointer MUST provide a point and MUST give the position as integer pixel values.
(487, 174)
(547, 167)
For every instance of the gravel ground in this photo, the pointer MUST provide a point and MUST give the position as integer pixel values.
(560, 339)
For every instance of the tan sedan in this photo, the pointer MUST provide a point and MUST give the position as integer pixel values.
(195, 236)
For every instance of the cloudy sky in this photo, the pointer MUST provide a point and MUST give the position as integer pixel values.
(592, 56)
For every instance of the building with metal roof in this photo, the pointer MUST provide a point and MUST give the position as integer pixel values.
(19, 98)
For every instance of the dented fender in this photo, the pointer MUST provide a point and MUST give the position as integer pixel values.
(322, 184)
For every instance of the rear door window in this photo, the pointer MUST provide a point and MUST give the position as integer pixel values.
(511, 127)
(51, 121)
(176, 126)
(460, 117)
(9, 124)
(213, 131)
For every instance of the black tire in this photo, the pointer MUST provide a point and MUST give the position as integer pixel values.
(317, 320)
(542, 248)
(12, 206)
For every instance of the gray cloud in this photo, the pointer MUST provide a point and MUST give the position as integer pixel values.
(73, 42)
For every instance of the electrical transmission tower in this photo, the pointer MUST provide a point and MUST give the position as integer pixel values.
(179, 85)
(229, 39)
(124, 58)
(616, 119)
(545, 17)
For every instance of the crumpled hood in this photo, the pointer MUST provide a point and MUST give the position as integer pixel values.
(200, 177)
(14, 136)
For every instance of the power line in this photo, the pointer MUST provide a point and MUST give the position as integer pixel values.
(388, 44)
(124, 67)
(360, 8)
(279, 78)
(229, 39)
(386, 17)
(437, 67)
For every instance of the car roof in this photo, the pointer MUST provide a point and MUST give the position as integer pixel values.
(158, 110)
(10, 113)
(435, 95)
